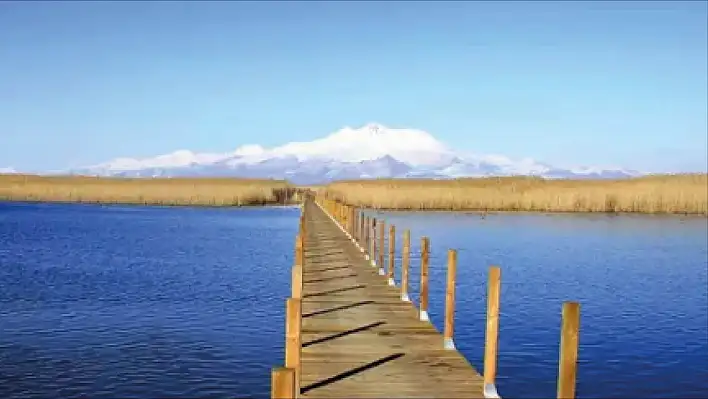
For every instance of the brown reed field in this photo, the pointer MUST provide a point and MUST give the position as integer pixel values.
(146, 191)
(654, 194)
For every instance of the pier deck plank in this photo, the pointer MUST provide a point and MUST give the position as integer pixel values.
(359, 340)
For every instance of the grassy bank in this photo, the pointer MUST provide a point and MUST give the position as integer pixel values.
(197, 192)
(687, 194)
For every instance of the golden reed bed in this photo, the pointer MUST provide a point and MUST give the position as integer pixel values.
(684, 194)
(198, 192)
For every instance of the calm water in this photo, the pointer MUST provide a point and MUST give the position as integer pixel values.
(177, 302)
(642, 284)
(115, 301)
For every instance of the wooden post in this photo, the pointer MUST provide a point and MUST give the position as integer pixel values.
(369, 255)
(382, 247)
(302, 223)
(347, 219)
(362, 220)
(293, 344)
(354, 222)
(568, 362)
(345, 222)
(391, 255)
(297, 282)
(342, 216)
(424, 259)
(405, 264)
(299, 251)
(282, 383)
(365, 241)
(357, 224)
(492, 334)
(449, 333)
(373, 242)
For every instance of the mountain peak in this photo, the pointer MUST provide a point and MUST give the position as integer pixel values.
(372, 150)
(373, 128)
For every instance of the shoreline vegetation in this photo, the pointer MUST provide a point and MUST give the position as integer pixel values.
(213, 192)
(653, 194)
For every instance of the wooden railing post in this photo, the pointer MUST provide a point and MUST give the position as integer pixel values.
(282, 383)
(373, 242)
(343, 213)
(356, 223)
(391, 255)
(424, 259)
(366, 242)
(299, 250)
(382, 247)
(342, 216)
(449, 332)
(492, 333)
(369, 248)
(344, 222)
(568, 359)
(297, 282)
(405, 264)
(362, 220)
(348, 218)
(293, 338)
(302, 223)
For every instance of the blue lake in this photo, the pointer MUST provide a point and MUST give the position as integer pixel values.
(118, 301)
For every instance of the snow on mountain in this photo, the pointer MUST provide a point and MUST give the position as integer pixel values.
(8, 171)
(373, 141)
(173, 160)
(371, 151)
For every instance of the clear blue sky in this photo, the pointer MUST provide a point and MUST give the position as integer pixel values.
(563, 82)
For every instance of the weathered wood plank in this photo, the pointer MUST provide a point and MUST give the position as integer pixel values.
(359, 339)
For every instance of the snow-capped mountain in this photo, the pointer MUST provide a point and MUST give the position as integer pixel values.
(7, 171)
(372, 151)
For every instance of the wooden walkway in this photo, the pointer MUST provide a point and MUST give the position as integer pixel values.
(351, 331)
(359, 339)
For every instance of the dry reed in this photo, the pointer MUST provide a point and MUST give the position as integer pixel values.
(686, 194)
(197, 192)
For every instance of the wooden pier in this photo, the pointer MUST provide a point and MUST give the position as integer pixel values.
(352, 332)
